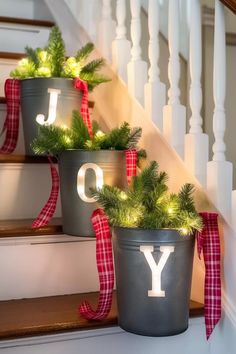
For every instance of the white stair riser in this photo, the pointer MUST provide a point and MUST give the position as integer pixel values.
(14, 38)
(32, 9)
(34, 270)
(20, 148)
(24, 190)
(101, 341)
(11, 8)
(6, 66)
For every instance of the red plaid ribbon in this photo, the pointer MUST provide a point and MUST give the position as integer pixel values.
(49, 209)
(131, 164)
(104, 253)
(84, 110)
(104, 266)
(208, 241)
(11, 124)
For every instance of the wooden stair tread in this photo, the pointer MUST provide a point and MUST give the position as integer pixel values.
(26, 21)
(49, 315)
(8, 158)
(14, 228)
(12, 55)
(3, 101)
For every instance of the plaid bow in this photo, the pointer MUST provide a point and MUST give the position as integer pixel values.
(11, 124)
(48, 210)
(84, 110)
(104, 266)
(208, 242)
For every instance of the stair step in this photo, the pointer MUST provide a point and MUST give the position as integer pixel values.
(8, 158)
(26, 21)
(3, 101)
(16, 34)
(12, 56)
(25, 188)
(19, 228)
(49, 315)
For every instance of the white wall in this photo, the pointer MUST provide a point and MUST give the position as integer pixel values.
(32, 9)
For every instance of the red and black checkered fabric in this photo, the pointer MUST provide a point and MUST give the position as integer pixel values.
(11, 124)
(208, 242)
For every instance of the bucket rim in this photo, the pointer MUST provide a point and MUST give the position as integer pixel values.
(48, 78)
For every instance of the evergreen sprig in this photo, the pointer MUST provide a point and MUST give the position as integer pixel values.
(54, 139)
(52, 62)
(56, 51)
(148, 204)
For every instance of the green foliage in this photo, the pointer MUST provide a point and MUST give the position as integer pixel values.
(148, 204)
(84, 52)
(53, 139)
(56, 51)
(52, 62)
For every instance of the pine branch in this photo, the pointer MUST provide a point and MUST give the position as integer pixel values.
(108, 196)
(186, 198)
(93, 66)
(56, 51)
(32, 56)
(84, 52)
(79, 131)
(134, 137)
(51, 139)
(93, 79)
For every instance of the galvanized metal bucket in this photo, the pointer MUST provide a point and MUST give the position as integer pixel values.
(153, 302)
(35, 97)
(79, 171)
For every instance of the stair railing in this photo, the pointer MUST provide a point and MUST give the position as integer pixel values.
(170, 117)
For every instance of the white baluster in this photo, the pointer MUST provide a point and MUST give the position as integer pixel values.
(196, 143)
(137, 68)
(106, 30)
(174, 114)
(155, 91)
(121, 46)
(219, 171)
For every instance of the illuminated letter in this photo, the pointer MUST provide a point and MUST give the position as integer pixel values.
(81, 180)
(156, 268)
(52, 109)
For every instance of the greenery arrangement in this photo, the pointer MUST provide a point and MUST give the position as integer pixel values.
(54, 139)
(148, 204)
(52, 62)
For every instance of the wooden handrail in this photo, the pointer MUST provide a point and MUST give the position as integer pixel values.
(231, 4)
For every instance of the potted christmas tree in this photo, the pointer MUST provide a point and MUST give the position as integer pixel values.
(48, 83)
(86, 161)
(153, 238)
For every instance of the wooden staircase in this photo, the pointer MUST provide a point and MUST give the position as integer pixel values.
(47, 315)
